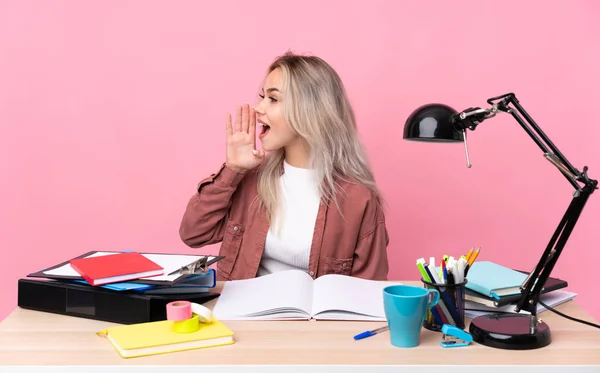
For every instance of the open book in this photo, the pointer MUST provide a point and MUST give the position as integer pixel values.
(293, 294)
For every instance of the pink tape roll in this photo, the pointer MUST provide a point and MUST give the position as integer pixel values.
(179, 310)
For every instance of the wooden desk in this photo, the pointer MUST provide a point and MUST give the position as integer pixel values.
(36, 338)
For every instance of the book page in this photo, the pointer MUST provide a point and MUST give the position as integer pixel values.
(286, 294)
(339, 297)
(170, 263)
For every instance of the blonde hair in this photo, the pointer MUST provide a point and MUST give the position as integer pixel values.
(317, 108)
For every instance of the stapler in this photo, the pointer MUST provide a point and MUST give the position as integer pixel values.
(455, 337)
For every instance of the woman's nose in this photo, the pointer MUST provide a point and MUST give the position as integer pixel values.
(258, 109)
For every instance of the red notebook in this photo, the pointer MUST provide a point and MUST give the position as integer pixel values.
(106, 269)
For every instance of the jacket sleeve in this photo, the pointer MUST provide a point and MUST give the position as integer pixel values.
(205, 216)
(370, 256)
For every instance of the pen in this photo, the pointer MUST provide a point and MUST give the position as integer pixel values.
(450, 278)
(461, 265)
(434, 276)
(429, 273)
(435, 309)
(370, 333)
(445, 273)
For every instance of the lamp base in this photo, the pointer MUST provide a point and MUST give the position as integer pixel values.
(510, 331)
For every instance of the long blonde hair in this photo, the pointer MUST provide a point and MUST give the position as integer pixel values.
(317, 108)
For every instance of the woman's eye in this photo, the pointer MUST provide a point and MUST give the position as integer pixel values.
(272, 99)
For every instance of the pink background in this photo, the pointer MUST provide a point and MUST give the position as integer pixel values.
(111, 112)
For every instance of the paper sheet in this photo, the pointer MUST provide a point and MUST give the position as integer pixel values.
(169, 262)
(289, 295)
(348, 298)
(552, 299)
(285, 294)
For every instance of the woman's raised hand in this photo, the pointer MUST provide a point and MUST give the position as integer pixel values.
(241, 153)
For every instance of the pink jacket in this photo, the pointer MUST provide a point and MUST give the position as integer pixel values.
(222, 210)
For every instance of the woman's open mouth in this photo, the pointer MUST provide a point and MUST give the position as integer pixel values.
(264, 130)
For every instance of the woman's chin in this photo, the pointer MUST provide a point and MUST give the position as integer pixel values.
(267, 147)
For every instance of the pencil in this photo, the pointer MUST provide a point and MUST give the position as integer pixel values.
(473, 257)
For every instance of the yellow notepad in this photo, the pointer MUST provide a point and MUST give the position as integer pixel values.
(158, 337)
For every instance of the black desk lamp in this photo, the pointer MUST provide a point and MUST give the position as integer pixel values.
(441, 123)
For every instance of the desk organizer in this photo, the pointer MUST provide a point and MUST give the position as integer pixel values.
(449, 310)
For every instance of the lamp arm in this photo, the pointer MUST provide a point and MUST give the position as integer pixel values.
(533, 285)
(551, 152)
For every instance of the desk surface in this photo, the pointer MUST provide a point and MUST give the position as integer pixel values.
(62, 340)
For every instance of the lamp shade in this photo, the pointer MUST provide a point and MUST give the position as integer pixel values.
(432, 122)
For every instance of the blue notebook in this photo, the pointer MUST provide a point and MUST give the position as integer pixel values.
(494, 280)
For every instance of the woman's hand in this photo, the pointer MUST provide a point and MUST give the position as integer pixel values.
(241, 153)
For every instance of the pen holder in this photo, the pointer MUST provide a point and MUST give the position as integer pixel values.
(449, 310)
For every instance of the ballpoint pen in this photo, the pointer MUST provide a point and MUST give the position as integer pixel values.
(370, 333)
(461, 265)
(444, 273)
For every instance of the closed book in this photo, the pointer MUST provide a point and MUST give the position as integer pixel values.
(494, 280)
(106, 269)
(552, 284)
(158, 337)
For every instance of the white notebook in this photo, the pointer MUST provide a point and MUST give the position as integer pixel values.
(293, 294)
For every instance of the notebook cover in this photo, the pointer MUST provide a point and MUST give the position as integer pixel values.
(133, 265)
(489, 278)
(158, 337)
(552, 284)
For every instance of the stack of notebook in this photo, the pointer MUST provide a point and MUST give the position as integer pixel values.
(125, 287)
(147, 273)
(493, 288)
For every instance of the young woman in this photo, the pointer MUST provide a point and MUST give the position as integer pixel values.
(310, 203)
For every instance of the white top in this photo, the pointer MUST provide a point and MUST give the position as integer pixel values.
(290, 247)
